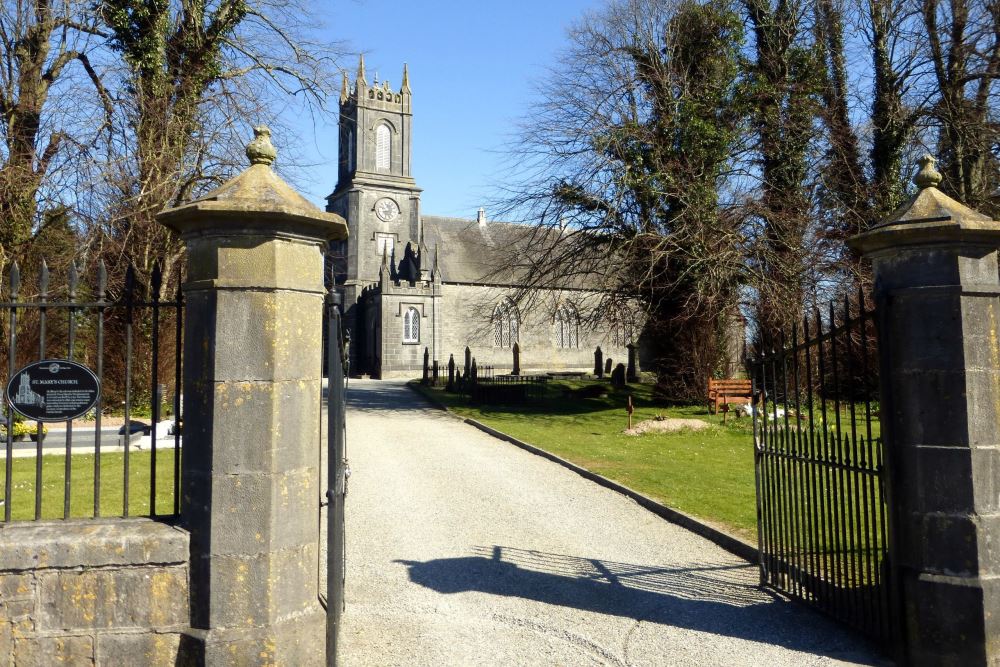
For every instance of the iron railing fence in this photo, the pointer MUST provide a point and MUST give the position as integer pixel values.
(488, 386)
(82, 322)
(822, 515)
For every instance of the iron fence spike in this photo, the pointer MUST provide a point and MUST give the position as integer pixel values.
(43, 279)
(74, 279)
(15, 280)
(156, 282)
(102, 279)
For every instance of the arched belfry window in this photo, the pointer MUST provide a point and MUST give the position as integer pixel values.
(567, 324)
(350, 150)
(505, 324)
(411, 326)
(383, 147)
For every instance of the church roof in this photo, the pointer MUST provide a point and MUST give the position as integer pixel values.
(469, 252)
(493, 252)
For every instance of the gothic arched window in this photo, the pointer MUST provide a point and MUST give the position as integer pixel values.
(567, 324)
(411, 326)
(383, 147)
(505, 324)
(622, 328)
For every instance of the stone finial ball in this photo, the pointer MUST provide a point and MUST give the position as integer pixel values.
(261, 150)
(928, 176)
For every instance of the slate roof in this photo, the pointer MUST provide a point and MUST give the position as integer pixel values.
(469, 252)
(495, 253)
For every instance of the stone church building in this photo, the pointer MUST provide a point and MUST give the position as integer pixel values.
(413, 281)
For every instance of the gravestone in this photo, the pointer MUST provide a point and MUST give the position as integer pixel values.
(618, 376)
(517, 360)
(427, 363)
(434, 377)
(468, 362)
(607, 366)
(473, 372)
(632, 373)
(598, 362)
(451, 373)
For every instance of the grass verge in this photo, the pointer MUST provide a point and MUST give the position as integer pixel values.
(82, 485)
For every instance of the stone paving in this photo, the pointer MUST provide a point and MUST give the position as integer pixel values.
(465, 550)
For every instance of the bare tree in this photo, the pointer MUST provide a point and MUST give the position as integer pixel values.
(786, 88)
(45, 50)
(866, 133)
(622, 170)
(963, 48)
(193, 77)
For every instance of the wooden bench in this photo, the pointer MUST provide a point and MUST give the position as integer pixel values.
(729, 391)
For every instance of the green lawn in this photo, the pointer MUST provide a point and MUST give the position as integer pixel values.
(82, 485)
(707, 473)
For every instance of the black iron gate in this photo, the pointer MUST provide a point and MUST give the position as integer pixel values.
(337, 472)
(822, 518)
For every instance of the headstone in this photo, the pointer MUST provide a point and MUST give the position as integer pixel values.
(517, 360)
(451, 373)
(427, 363)
(474, 372)
(468, 362)
(632, 373)
(434, 377)
(598, 362)
(618, 376)
(607, 366)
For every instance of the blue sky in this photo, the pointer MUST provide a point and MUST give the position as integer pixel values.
(473, 66)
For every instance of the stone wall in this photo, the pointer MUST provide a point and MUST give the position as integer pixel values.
(454, 316)
(399, 358)
(99, 592)
(466, 321)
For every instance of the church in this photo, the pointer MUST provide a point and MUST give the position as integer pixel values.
(412, 281)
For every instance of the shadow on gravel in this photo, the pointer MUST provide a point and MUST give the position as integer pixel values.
(374, 396)
(707, 597)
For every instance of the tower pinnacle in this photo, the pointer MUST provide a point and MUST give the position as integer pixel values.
(361, 70)
(405, 87)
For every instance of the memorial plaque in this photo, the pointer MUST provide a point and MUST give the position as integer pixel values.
(53, 390)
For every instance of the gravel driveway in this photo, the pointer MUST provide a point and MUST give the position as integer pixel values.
(465, 550)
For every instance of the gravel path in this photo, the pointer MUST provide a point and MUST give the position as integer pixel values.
(465, 550)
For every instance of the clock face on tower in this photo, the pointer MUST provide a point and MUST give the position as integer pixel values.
(386, 209)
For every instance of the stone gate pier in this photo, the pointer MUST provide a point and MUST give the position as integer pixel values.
(938, 292)
(252, 386)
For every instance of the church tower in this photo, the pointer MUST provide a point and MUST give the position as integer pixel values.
(375, 189)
